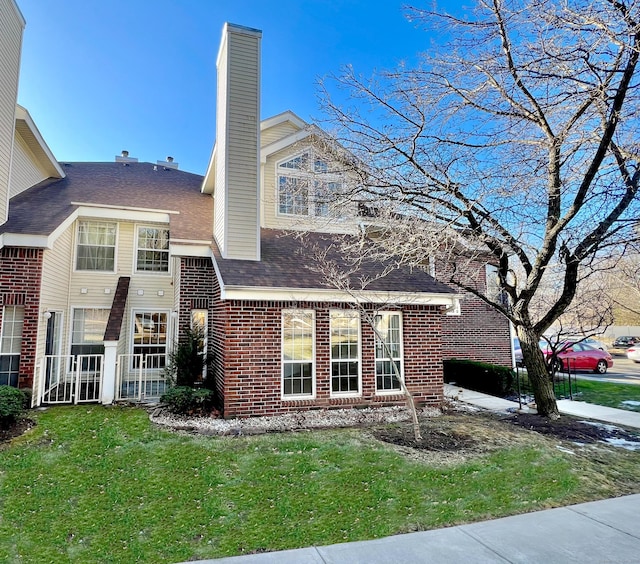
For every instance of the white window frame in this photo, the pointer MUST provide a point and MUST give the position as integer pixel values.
(284, 362)
(391, 391)
(358, 359)
(73, 318)
(310, 178)
(137, 248)
(132, 333)
(13, 339)
(77, 244)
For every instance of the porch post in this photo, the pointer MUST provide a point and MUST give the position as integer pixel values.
(108, 391)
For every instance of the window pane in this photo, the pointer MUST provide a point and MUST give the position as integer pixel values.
(345, 351)
(96, 246)
(297, 352)
(153, 249)
(150, 338)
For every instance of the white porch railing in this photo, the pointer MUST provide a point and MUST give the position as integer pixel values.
(71, 379)
(140, 377)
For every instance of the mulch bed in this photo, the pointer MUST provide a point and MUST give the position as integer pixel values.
(21, 426)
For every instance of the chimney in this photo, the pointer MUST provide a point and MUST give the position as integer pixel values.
(11, 27)
(237, 152)
(125, 158)
(168, 164)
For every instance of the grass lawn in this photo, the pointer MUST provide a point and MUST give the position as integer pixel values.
(609, 394)
(101, 484)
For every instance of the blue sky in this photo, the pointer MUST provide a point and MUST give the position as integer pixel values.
(99, 77)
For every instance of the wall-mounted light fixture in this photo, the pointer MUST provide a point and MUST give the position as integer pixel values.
(46, 314)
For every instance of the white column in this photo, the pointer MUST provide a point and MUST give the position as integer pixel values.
(109, 372)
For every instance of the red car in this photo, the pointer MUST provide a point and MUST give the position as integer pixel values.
(580, 356)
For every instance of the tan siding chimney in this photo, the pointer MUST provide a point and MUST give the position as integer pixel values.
(237, 175)
(11, 27)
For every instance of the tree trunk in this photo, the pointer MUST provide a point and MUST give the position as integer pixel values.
(538, 374)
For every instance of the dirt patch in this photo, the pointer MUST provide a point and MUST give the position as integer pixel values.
(21, 426)
(465, 435)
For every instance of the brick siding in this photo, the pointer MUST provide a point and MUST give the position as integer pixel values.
(20, 283)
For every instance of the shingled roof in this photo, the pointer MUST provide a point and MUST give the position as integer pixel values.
(43, 207)
(286, 260)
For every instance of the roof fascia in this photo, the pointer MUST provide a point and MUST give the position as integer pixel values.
(209, 181)
(50, 162)
(248, 293)
(16, 9)
(276, 146)
(285, 116)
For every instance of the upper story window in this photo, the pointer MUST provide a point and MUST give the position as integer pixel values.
(307, 186)
(96, 246)
(152, 254)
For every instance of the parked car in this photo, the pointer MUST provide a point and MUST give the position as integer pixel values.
(580, 356)
(626, 341)
(589, 341)
(517, 352)
(633, 353)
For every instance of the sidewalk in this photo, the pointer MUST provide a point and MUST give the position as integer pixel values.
(566, 407)
(589, 533)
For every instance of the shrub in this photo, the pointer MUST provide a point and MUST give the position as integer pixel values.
(185, 400)
(12, 404)
(480, 376)
(188, 360)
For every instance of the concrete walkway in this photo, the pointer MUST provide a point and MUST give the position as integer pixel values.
(566, 407)
(590, 533)
(598, 532)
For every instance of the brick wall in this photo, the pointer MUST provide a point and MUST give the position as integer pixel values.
(20, 282)
(252, 359)
(480, 333)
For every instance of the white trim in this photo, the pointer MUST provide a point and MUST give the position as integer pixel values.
(123, 213)
(21, 240)
(283, 143)
(295, 397)
(246, 293)
(284, 117)
(124, 208)
(358, 360)
(190, 250)
(22, 114)
(18, 13)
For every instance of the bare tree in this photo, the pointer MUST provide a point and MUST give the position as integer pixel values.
(518, 134)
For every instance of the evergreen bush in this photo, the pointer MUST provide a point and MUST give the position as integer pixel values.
(480, 376)
(12, 404)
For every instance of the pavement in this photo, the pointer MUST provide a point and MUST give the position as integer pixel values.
(598, 532)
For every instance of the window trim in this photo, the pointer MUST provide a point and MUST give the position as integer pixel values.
(167, 339)
(136, 248)
(19, 339)
(294, 397)
(77, 243)
(347, 394)
(393, 391)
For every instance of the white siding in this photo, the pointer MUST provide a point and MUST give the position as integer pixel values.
(11, 26)
(25, 171)
(236, 212)
(277, 132)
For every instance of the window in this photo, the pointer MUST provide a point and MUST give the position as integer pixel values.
(96, 248)
(153, 250)
(307, 187)
(199, 323)
(87, 333)
(345, 352)
(298, 335)
(388, 351)
(10, 344)
(293, 196)
(87, 338)
(150, 339)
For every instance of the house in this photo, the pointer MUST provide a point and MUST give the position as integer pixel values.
(104, 266)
